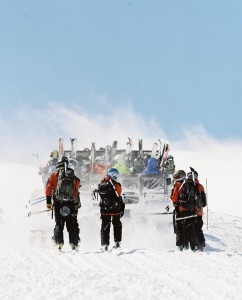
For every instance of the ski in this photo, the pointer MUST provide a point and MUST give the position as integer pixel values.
(164, 155)
(113, 150)
(161, 150)
(141, 152)
(107, 155)
(73, 147)
(93, 150)
(61, 147)
(128, 152)
(155, 151)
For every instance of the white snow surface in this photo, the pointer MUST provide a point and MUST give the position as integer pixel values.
(147, 267)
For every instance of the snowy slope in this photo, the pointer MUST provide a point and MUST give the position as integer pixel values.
(149, 267)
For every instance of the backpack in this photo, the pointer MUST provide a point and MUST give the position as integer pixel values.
(110, 201)
(65, 186)
(190, 197)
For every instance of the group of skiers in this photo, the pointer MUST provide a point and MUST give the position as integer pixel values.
(62, 195)
(189, 199)
(142, 164)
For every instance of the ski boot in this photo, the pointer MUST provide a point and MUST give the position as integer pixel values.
(74, 248)
(104, 248)
(195, 249)
(117, 245)
(186, 246)
(201, 246)
(59, 247)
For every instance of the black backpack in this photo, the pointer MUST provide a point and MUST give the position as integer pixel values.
(190, 197)
(110, 201)
(65, 186)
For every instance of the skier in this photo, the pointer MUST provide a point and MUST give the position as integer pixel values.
(111, 208)
(184, 214)
(120, 165)
(50, 167)
(170, 166)
(62, 195)
(152, 166)
(198, 223)
(86, 167)
(138, 165)
(99, 167)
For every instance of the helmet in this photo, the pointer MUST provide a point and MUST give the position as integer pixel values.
(61, 163)
(74, 162)
(190, 176)
(118, 157)
(170, 157)
(54, 154)
(99, 159)
(179, 175)
(65, 159)
(113, 173)
(86, 161)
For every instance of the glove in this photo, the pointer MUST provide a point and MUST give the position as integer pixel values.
(41, 171)
(177, 208)
(49, 206)
(77, 205)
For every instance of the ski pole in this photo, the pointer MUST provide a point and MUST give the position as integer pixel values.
(105, 228)
(38, 201)
(207, 200)
(37, 157)
(114, 188)
(43, 197)
(182, 184)
(188, 217)
(94, 195)
(36, 212)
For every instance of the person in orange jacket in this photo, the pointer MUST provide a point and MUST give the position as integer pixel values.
(65, 201)
(184, 215)
(100, 167)
(111, 208)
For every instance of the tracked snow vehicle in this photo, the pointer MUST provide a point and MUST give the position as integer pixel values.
(145, 175)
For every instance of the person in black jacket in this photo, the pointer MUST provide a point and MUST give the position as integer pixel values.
(111, 208)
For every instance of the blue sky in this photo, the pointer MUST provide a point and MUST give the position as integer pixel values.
(178, 62)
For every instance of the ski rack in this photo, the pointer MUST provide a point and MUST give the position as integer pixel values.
(137, 187)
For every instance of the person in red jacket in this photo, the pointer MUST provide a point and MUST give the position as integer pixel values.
(62, 194)
(184, 214)
(111, 208)
(100, 166)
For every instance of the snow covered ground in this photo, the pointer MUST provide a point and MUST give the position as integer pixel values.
(148, 267)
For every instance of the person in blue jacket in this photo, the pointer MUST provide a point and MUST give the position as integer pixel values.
(152, 166)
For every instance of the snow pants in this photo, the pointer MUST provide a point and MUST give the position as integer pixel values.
(185, 231)
(105, 229)
(198, 224)
(71, 222)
